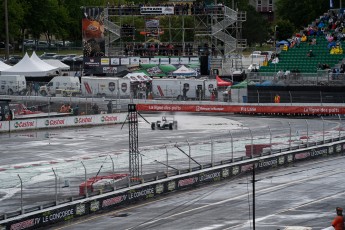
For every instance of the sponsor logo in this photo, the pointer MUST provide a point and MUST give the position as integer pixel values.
(330, 149)
(83, 120)
(80, 209)
(212, 176)
(113, 201)
(303, 155)
(235, 170)
(208, 109)
(108, 118)
(55, 216)
(246, 167)
(263, 164)
(171, 186)
(248, 109)
(159, 188)
(186, 182)
(338, 148)
(315, 153)
(165, 107)
(281, 160)
(290, 158)
(23, 225)
(146, 192)
(24, 124)
(94, 206)
(54, 122)
(225, 172)
(314, 110)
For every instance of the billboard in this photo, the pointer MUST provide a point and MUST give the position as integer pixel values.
(93, 31)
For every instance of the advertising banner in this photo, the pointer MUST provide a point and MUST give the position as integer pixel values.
(124, 61)
(52, 122)
(243, 109)
(144, 60)
(105, 61)
(154, 61)
(152, 23)
(164, 61)
(175, 61)
(23, 124)
(184, 61)
(93, 31)
(194, 61)
(4, 126)
(157, 10)
(134, 60)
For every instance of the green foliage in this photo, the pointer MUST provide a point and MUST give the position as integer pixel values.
(285, 30)
(301, 13)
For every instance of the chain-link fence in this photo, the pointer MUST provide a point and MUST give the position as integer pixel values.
(33, 186)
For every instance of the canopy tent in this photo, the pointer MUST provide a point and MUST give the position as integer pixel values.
(57, 63)
(28, 68)
(4, 66)
(184, 71)
(43, 64)
(222, 83)
(281, 43)
(240, 85)
(138, 77)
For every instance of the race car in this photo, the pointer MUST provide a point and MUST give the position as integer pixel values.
(165, 123)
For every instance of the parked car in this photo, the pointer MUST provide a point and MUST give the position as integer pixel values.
(3, 45)
(29, 43)
(59, 57)
(42, 45)
(47, 55)
(14, 59)
(69, 57)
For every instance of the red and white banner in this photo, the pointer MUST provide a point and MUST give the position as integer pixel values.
(248, 109)
(4, 126)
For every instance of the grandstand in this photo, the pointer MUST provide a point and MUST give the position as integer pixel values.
(296, 60)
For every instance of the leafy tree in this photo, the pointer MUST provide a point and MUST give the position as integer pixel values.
(285, 30)
(302, 12)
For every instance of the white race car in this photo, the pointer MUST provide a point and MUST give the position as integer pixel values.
(165, 123)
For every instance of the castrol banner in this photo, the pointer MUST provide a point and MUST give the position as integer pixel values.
(110, 118)
(4, 126)
(16, 125)
(52, 122)
(248, 109)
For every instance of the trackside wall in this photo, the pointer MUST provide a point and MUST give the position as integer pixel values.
(125, 196)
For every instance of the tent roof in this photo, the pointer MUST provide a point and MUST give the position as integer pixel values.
(43, 64)
(57, 63)
(240, 85)
(183, 70)
(4, 66)
(28, 67)
(221, 82)
(138, 77)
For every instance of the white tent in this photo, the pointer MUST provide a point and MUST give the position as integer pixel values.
(184, 71)
(4, 66)
(138, 77)
(29, 68)
(43, 64)
(57, 63)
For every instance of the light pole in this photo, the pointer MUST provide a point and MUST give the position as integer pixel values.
(232, 147)
(275, 47)
(56, 199)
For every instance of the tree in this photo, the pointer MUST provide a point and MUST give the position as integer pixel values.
(301, 13)
(285, 30)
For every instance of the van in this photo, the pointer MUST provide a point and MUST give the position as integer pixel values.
(12, 84)
(61, 86)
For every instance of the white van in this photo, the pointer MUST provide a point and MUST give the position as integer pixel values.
(12, 84)
(61, 86)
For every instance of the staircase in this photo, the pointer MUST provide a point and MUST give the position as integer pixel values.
(114, 32)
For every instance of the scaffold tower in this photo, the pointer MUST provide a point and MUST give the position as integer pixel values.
(210, 30)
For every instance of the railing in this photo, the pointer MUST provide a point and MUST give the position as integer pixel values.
(58, 182)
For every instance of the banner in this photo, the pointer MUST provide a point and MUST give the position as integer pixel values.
(245, 109)
(93, 31)
(152, 23)
(4, 126)
(157, 10)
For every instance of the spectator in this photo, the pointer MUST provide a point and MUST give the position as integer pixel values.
(76, 110)
(110, 106)
(310, 53)
(338, 222)
(95, 109)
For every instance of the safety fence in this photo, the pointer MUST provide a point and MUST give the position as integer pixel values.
(172, 180)
(36, 186)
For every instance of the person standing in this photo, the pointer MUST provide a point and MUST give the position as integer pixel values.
(110, 106)
(338, 222)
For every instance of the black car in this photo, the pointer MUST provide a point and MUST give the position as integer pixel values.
(14, 59)
(3, 45)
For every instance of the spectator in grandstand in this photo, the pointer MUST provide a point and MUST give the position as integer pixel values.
(310, 53)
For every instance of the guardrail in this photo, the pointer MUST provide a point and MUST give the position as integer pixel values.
(173, 181)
